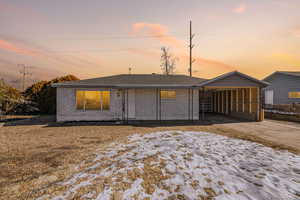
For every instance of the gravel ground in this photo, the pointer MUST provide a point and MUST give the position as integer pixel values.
(36, 154)
(184, 165)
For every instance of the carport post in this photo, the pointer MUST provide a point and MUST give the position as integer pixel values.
(243, 100)
(216, 94)
(226, 101)
(219, 101)
(215, 102)
(237, 100)
(258, 104)
(231, 100)
(222, 101)
(212, 101)
(250, 101)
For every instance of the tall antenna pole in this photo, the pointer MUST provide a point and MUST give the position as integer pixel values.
(24, 73)
(191, 46)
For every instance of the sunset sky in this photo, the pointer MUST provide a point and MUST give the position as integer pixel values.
(95, 38)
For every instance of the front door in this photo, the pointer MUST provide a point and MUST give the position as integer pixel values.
(131, 104)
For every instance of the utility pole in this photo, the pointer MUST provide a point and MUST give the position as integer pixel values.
(24, 73)
(191, 46)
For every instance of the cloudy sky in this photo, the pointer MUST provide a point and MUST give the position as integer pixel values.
(94, 38)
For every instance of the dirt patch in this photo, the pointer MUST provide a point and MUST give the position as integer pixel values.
(31, 151)
(186, 165)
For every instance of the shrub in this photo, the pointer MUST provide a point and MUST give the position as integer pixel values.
(9, 98)
(44, 95)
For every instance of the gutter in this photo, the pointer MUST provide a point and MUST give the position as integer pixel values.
(121, 86)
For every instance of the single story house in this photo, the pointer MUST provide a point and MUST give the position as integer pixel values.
(284, 88)
(159, 97)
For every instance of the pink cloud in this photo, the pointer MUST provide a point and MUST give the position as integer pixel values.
(199, 61)
(157, 31)
(8, 46)
(144, 52)
(240, 9)
(62, 61)
(296, 31)
(208, 63)
(161, 33)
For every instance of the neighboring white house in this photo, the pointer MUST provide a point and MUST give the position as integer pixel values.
(157, 97)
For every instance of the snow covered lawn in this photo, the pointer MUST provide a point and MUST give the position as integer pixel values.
(185, 165)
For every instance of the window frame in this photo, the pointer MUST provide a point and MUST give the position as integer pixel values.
(168, 98)
(101, 100)
(297, 93)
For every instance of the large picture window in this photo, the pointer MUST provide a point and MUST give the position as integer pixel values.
(168, 94)
(92, 100)
(294, 95)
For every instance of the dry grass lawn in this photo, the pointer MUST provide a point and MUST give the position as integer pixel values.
(35, 154)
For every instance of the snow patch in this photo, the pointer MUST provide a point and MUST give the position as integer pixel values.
(193, 164)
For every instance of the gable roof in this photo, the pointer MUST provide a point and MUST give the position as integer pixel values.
(263, 83)
(290, 73)
(135, 80)
(152, 81)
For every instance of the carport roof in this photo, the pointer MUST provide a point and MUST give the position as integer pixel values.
(259, 82)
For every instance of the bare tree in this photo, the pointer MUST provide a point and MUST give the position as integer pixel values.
(168, 61)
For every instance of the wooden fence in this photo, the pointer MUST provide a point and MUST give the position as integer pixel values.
(287, 112)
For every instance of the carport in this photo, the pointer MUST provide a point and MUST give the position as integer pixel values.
(234, 94)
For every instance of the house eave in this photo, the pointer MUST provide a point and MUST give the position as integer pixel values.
(282, 73)
(262, 83)
(124, 86)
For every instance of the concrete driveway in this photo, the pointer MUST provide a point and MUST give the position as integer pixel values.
(279, 132)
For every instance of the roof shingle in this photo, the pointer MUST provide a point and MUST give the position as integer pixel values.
(136, 79)
(293, 73)
(290, 73)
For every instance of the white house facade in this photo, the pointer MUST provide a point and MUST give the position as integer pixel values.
(158, 97)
